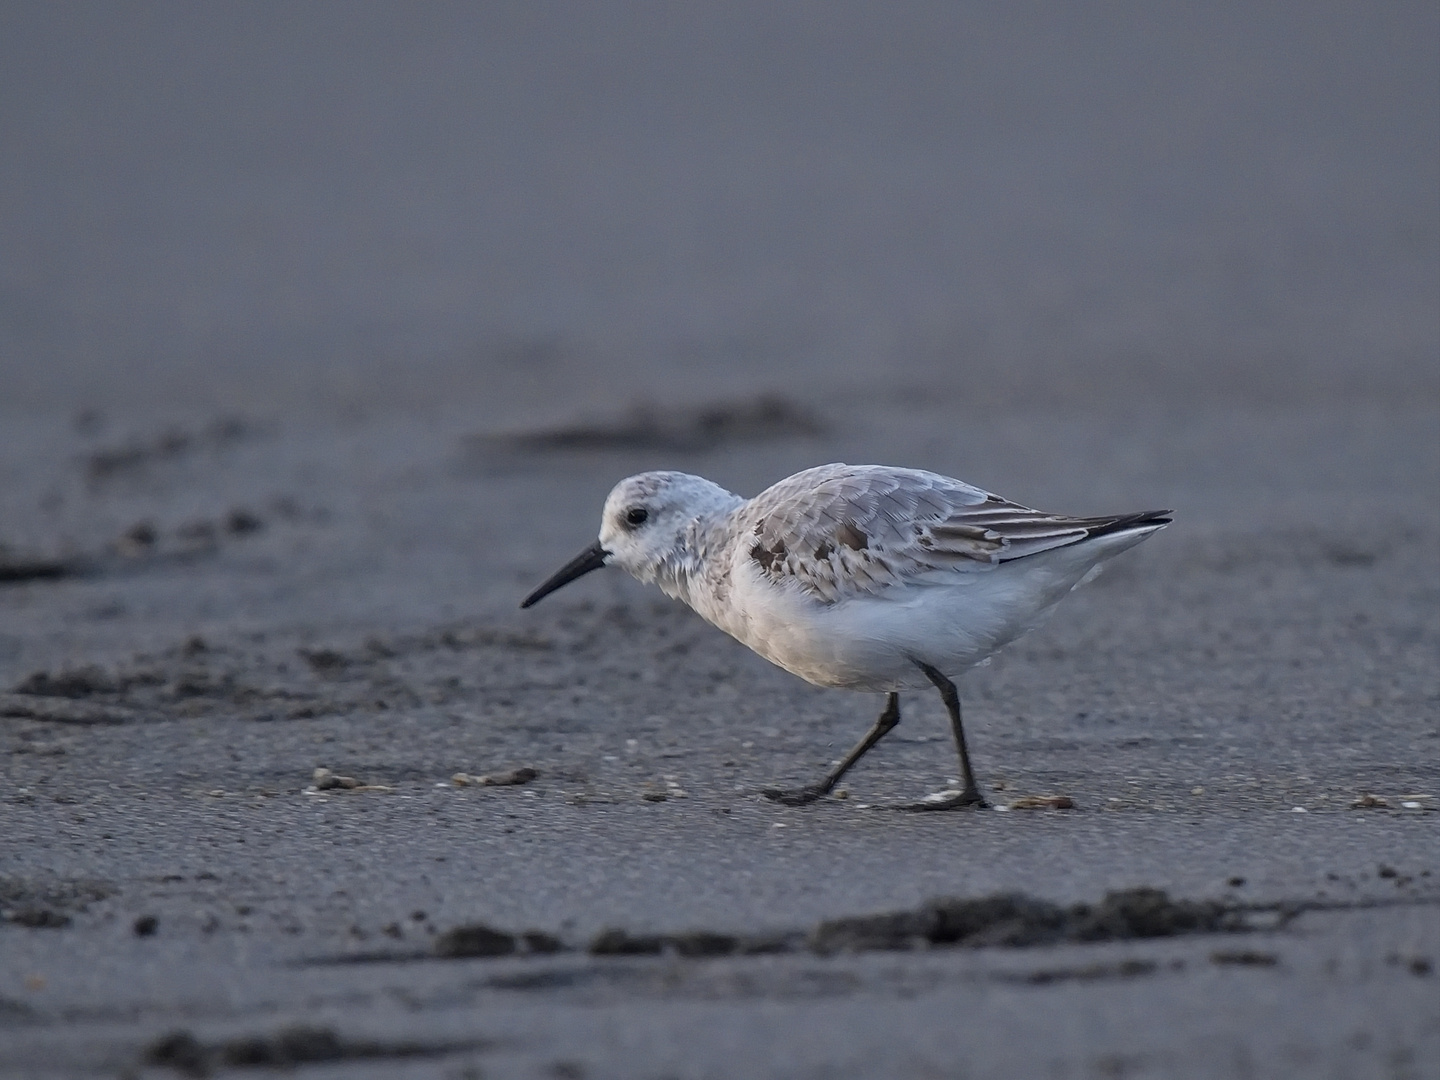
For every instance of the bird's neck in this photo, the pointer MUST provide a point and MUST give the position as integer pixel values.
(694, 569)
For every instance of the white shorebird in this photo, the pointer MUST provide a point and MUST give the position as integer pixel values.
(864, 577)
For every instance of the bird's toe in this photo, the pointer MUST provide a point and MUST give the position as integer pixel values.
(947, 800)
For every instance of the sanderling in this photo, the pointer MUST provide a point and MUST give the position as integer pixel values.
(864, 577)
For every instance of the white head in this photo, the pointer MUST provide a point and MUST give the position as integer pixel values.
(643, 527)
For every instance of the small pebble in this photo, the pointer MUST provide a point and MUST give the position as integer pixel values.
(509, 778)
(522, 775)
(325, 780)
(1043, 802)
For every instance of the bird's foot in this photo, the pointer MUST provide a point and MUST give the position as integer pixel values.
(796, 796)
(969, 799)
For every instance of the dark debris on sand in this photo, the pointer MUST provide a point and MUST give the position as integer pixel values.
(479, 940)
(194, 679)
(15, 569)
(172, 444)
(647, 427)
(47, 905)
(1016, 921)
(284, 1049)
(1009, 920)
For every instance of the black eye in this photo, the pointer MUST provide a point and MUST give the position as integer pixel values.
(636, 515)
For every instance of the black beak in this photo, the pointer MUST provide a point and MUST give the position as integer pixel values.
(592, 558)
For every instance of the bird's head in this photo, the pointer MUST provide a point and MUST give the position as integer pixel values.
(643, 526)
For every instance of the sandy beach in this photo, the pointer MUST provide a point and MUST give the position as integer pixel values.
(324, 332)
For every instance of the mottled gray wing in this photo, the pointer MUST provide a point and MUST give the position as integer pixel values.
(840, 530)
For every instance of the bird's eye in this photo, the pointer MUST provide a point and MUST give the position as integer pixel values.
(636, 516)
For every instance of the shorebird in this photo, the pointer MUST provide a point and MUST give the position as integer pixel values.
(864, 577)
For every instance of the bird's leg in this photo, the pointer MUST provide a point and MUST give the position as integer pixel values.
(970, 796)
(810, 792)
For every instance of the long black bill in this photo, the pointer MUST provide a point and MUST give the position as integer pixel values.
(592, 558)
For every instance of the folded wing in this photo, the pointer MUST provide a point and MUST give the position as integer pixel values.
(842, 530)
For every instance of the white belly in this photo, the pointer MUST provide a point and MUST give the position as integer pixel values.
(872, 641)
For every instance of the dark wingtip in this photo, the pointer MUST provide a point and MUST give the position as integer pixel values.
(1129, 521)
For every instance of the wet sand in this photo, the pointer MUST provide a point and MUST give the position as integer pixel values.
(308, 382)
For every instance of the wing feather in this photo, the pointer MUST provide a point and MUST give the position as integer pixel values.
(843, 530)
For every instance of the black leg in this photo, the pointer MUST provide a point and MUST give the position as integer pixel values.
(810, 792)
(970, 796)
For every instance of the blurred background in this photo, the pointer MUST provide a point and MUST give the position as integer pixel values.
(510, 210)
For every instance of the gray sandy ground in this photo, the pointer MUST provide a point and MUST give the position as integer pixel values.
(307, 382)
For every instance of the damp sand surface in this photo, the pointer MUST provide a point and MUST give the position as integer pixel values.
(315, 790)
